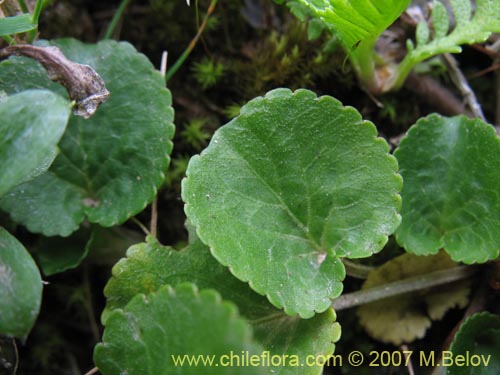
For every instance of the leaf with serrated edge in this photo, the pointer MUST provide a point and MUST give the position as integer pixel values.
(33, 122)
(451, 172)
(288, 188)
(478, 339)
(143, 338)
(111, 165)
(149, 265)
(353, 21)
(20, 288)
(400, 319)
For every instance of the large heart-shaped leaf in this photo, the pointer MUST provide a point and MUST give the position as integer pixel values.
(111, 165)
(451, 171)
(20, 287)
(288, 188)
(32, 124)
(162, 332)
(477, 342)
(149, 265)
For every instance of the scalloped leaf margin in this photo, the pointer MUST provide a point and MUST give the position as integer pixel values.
(145, 338)
(110, 165)
(289, 187)
(150, 265)
(451, 172)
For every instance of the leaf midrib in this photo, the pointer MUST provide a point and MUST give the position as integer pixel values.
(282, 203)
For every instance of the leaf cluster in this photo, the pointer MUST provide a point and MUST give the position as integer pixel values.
(286, 197)
(359, 24)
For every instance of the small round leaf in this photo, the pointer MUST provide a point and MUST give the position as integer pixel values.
(451, 172)
(288, 188)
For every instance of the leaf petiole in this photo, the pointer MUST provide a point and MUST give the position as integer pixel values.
(407, 285)
(34, 18)
(114, 21)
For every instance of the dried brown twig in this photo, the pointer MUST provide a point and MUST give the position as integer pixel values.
(83, 84)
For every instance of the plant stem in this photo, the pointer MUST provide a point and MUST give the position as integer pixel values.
(34, 18)
(153, 226)
(89, 305)
(16, 353)
(400, 74)
(192, 44)
(8, 39)
(362, 58)
(95, 370)
(23, 6)
(37, 11)
(116, 18)
(404, 348)
(353, 269)
(435, 94)
(461, 83)
(141, 225)
(410, 284)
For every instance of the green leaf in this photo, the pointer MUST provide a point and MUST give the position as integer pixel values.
(451, 172)
(149, 265)
(486, 20)
(314, 29)
(20, 288)
(422, 33)
(440, 20)
(111, 165)
(353, 21)
(462, 11)
(32, 124)
(358, 25)
(146, 336)
(57, 254)
(477, 340)
(298, 10)
(288, 188)
(16, 24)
(404, 318)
